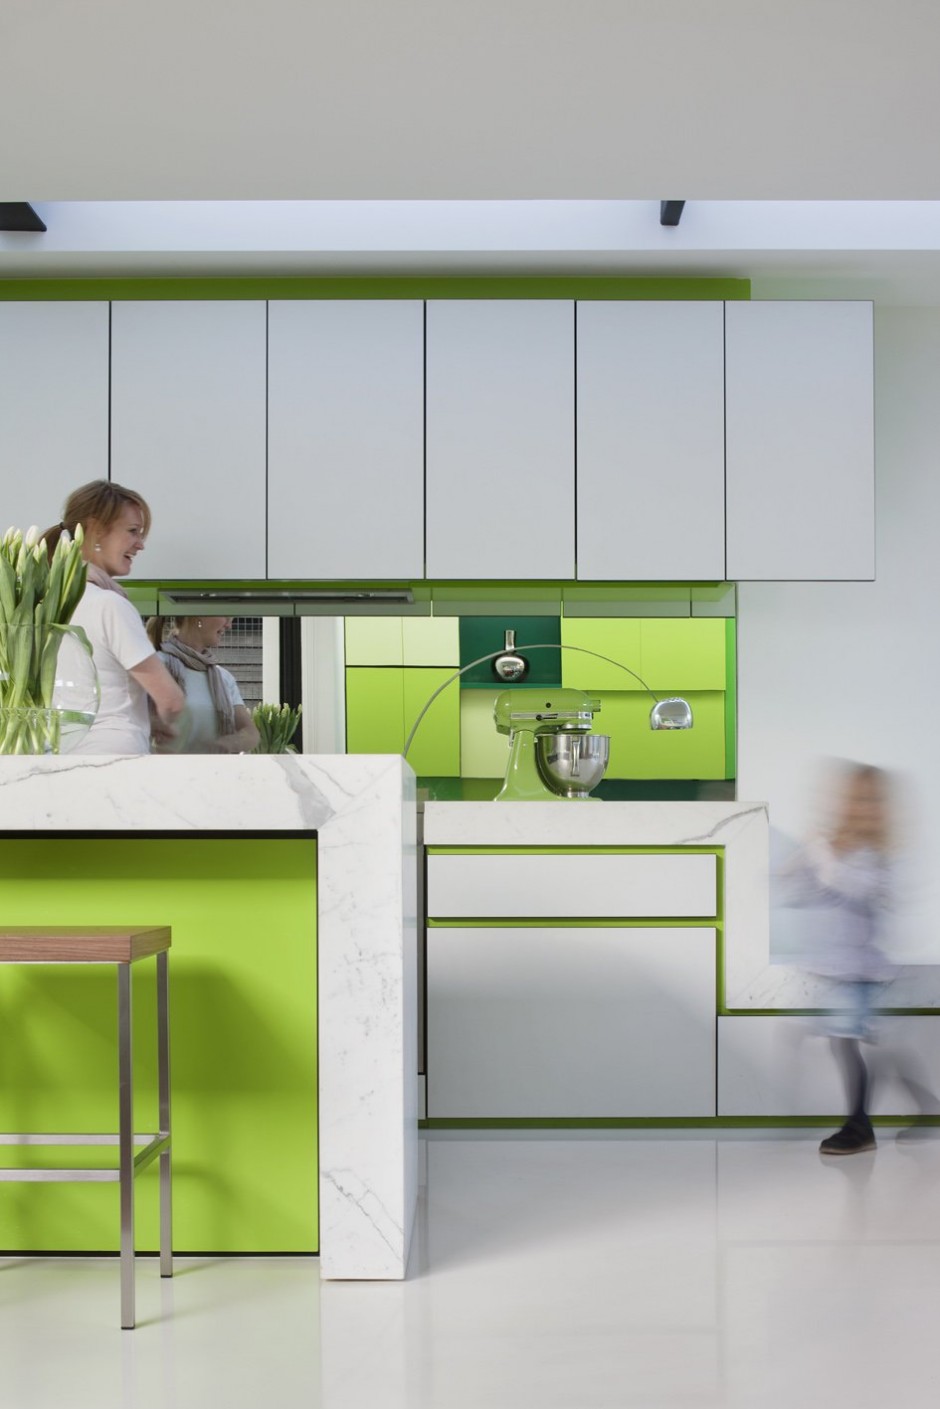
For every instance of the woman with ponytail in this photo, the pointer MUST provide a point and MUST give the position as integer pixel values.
(134, 682)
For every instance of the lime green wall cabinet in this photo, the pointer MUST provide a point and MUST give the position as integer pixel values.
(436, 748)
(618, 639)
(395, 640)
(375, 709)
(430, 640)
(684, 655)
(636, 751)
(243, 1014)
(382, 705)
(671, 654)
(373, 640)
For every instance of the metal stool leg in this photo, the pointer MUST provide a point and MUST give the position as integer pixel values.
(126, 1144)
(163, 1062)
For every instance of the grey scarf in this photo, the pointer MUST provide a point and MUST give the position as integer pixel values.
(178, 658)
(99, 578)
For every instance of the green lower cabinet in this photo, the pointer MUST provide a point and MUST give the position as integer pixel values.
(436, 748)
(383, 704)
(243, 1016)
(375, 709)
(636, 751)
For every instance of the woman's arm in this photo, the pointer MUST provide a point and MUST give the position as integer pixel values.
(245, 736)
(169, 699)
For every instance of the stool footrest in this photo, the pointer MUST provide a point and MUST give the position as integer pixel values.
(59, 1176)
(153, 1147)
(80, 1138)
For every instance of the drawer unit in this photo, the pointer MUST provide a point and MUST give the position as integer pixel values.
(585, 885)
(573, 1022)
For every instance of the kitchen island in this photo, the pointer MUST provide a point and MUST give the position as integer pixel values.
(360, 813)
(613, 962)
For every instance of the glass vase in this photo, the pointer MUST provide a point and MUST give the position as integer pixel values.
(49, 692)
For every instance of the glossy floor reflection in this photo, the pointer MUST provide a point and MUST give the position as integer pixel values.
(589, 1273)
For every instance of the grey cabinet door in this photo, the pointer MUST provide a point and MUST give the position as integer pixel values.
(346, 439)
(500, 439)
(558, 1022)
(651, 441)
(53, 407)
(800, 441)
(188, 432)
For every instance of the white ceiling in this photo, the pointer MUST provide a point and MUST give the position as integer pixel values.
(470, 135)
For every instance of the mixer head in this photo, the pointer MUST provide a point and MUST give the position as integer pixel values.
(537, 709)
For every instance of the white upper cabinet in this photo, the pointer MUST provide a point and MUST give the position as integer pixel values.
(53, 407)
(650, 469)
(346, 439)
(188, 432)
(800, 441)
(500, 439)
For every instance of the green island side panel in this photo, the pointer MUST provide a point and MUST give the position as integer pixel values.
(243, 1016)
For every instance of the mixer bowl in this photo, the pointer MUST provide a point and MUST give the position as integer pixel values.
(572, 764)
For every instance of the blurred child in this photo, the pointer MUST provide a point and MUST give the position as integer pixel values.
(847, 868)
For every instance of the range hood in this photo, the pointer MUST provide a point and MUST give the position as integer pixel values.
(263, 594)
(282, 601)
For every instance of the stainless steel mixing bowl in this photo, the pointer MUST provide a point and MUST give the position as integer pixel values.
(572, 764)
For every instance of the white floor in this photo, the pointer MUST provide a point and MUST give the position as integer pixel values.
(582, 1272)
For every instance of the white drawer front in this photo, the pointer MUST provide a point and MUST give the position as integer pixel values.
(568, 1022)
(580, 886)
(783, 1066)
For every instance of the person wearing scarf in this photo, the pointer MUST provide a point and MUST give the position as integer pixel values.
(218, 721)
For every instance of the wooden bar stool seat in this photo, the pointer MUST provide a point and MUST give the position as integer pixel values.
(109, 944)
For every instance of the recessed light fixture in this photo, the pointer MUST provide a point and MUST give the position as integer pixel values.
(19, 215)
(670, 212)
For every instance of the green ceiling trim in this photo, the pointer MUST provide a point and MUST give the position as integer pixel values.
(378, 287)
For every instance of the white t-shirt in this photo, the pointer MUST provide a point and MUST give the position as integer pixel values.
(199, 729)
(119, 642)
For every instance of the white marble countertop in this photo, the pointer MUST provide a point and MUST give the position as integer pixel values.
(362, 809)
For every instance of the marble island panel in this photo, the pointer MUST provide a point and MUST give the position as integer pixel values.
(362, 809)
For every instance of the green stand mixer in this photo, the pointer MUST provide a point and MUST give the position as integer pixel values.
(552, 753)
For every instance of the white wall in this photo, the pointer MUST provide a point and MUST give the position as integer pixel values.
(853, 669)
